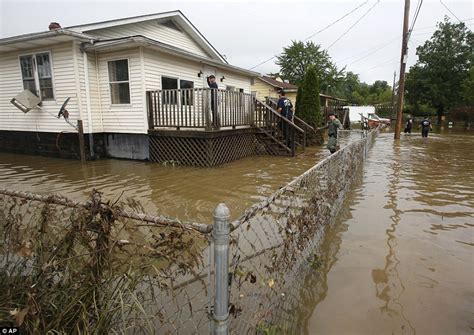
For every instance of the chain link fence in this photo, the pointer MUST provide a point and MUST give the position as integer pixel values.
(106, 267)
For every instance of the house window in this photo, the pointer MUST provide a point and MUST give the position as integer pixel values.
(230, 88)
(119, 82)
(172, 84)
(187, 95)
(37, 75)
(169, 84)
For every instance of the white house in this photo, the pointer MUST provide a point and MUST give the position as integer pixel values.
(106, 68)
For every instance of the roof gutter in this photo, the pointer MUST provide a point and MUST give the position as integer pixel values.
(46, 34)
(146, 42)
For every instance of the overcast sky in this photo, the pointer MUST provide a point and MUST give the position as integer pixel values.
(249, 32)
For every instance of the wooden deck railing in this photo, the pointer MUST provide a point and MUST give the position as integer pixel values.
(205, 108)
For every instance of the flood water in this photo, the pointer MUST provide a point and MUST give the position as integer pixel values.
(400, 259)
(186, 193)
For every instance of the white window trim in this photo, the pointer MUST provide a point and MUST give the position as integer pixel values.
(36, 77)
(129, 81)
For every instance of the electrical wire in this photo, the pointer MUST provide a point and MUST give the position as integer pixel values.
(449, 10)
(355, 23)
(318, 32)
(417, 11)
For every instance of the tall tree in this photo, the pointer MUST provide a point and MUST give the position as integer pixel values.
(295, 60)
(443, 65)
(309, 108)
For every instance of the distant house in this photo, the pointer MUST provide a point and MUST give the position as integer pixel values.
(107, 68)
(267, 87)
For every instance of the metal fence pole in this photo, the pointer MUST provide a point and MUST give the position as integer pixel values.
(220, 236)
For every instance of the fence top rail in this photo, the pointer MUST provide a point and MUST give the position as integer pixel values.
(266, 202)
(159, 220)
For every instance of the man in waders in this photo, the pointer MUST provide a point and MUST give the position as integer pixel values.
(425, 127)
(285, 108)
(333, 126)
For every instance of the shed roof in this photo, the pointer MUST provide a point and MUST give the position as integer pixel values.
(278, 84)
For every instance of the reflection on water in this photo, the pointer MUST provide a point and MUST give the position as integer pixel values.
(402, 262)
(181, 192)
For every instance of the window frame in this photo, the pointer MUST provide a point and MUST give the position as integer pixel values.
(118, 82)
(179, 98)
(36, 78)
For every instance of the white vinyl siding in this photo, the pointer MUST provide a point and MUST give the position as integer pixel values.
(128, 118)
(96, 112)
(153, 30)
(11, 118)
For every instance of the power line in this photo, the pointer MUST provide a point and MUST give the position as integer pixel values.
(318, 32)
(450, 11)
(417, 11)
(350, 28)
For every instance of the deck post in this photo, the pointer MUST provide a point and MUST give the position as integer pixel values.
(207, 108)
(80, 133)
(220, 238)
(150, 110)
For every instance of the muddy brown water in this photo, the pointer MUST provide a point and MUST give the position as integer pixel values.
(400, 259)
(185, 193)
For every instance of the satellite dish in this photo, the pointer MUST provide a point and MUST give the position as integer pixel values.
(63, 111)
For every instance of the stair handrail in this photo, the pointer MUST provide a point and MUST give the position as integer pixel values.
(280, 116)
(273, 104)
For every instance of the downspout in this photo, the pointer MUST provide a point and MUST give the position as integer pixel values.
(98, 90)
(88, 103)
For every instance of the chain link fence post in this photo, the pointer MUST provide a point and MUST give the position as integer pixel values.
(220, 236)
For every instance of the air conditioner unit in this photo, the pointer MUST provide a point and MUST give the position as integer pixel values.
(26, 101)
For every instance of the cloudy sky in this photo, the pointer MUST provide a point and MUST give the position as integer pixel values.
(367, 41)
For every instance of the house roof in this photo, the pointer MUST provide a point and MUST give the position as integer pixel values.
(177, 16)
(35, 40)
(135, 41)
(278, 84)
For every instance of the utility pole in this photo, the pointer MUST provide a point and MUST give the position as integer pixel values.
(393, 96)
(403, 63)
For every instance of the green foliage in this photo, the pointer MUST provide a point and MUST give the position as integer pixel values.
(298, 98)
(295, 60)
(444, 64)
(309, 108)
(299, 56)
(468, 88)
(419, 110)
(464, 114)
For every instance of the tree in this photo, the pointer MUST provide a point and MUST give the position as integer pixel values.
(298, 98)
(296, 59)
(443, 65)
(468, 88)
(309, 108)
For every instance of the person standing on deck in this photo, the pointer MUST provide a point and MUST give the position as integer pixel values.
(425, 127)
(211, 82)
(285, 108)
(333, 126)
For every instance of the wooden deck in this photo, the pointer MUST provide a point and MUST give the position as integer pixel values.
(208, 127)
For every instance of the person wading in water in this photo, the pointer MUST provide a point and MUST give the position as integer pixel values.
(333, 126)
